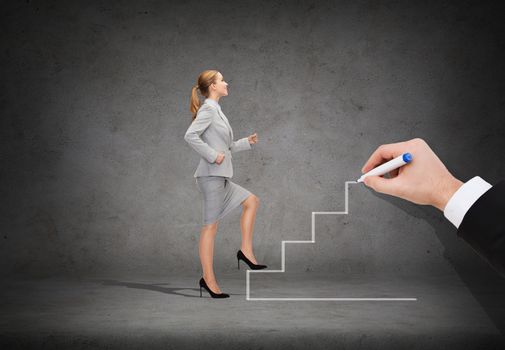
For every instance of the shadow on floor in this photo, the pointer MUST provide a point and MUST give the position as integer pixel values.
(158, 287)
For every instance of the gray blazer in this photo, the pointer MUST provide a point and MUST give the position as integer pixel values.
(209, 134)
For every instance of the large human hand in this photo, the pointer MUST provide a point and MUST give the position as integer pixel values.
(425, 180)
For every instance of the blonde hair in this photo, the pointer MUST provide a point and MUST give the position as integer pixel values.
(205, 79)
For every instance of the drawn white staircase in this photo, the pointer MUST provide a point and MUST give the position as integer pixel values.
(313, 240)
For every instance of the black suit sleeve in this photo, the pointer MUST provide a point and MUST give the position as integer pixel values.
(483, 226)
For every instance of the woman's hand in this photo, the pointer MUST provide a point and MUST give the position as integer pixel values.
(220, 158)
(253, 138)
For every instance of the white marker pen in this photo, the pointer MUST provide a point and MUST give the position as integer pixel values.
(393, 164)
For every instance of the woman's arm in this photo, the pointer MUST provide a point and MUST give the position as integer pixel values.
(240, 145)
(192, 136)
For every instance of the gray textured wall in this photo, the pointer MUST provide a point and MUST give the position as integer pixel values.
(96, 176)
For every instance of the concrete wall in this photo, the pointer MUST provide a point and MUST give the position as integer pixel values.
(96, 176)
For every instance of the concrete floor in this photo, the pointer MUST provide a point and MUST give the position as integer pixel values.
(167, 312)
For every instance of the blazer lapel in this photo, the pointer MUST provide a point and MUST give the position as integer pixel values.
(221, 114)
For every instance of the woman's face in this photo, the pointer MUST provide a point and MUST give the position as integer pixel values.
(220, 86)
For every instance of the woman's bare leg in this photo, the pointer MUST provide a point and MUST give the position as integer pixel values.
(206, 250)
(247, 225)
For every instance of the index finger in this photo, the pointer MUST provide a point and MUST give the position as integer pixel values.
(382, 154)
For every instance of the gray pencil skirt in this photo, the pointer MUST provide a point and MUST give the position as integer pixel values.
(219, 197)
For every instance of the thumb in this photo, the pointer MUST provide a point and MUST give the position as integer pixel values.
(380, 184)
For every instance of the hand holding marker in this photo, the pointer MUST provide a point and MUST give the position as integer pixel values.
(425, 181)
(385, 168)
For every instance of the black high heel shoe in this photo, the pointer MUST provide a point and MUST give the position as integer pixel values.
(253, 266)
(212, 294)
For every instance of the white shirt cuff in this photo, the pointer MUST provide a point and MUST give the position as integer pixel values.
(464, 198)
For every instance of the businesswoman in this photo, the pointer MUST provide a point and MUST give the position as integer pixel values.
(211, 136)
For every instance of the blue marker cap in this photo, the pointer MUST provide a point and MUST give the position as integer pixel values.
(407, 157)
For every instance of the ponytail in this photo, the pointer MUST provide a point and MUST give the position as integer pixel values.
(194, 104)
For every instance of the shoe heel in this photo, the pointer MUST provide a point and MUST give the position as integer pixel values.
(212, 294)
(241, 256)
(238, 263)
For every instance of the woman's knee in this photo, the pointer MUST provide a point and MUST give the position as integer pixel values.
(210, 227)
(252, 201)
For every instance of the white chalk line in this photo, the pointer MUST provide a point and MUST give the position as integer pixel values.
(313, 240)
